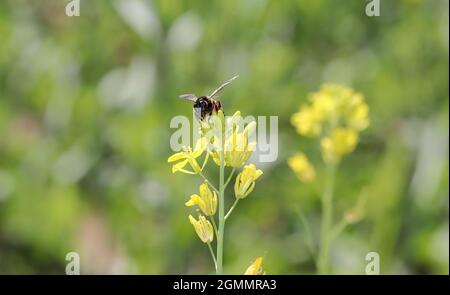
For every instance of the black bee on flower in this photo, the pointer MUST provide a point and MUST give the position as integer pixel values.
(205, 106)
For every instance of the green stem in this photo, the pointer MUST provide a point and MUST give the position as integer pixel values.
(327, 219)
(206, 180)
(308, 235)
(214, 225)
(231, 209)
(212, 255)
(229, 177)
(220, 235)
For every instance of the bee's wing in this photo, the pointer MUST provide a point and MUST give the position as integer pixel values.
(191, 97)
(222, 86)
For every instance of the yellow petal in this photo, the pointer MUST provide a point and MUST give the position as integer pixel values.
(194, 200)
(204, 190)
(255, 268)
(179, 166)
(236, 185)
(258, 173)
(194, 165)
(237, 113)
(176, 157)
(250, 128)
(200, 147)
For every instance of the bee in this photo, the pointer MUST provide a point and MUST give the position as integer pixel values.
(205, 106)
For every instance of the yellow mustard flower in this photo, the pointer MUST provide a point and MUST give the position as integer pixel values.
(255, 268)
(237, 148)
(306, 121)
(206, 201)
(189, 156)
(341, 141)
(324, 105)
(332, 106)
(245, 181)
(357, 113)
(302, 167)
(203, 228)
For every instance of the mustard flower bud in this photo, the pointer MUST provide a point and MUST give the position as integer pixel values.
(203, 228)
(245, 181)
(255, 268)
(206, 201)
(304, 170)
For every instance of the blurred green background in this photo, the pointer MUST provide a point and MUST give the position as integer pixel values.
(85, 106)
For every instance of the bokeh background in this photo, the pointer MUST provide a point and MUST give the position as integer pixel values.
(85, 106)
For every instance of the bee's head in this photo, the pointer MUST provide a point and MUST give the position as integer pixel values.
(202, 102)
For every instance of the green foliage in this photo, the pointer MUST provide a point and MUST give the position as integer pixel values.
(85, 106)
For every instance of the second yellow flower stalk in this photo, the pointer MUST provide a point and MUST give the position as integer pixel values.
(336, 114)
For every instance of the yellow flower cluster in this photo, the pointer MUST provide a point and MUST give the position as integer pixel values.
(233, 151)
(237, 148)
(336, 114)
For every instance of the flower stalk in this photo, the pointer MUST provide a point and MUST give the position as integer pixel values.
(327, 221)
(228, 146)
(213, 256)
(221, 230)
(231, 209)
(336, 114)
